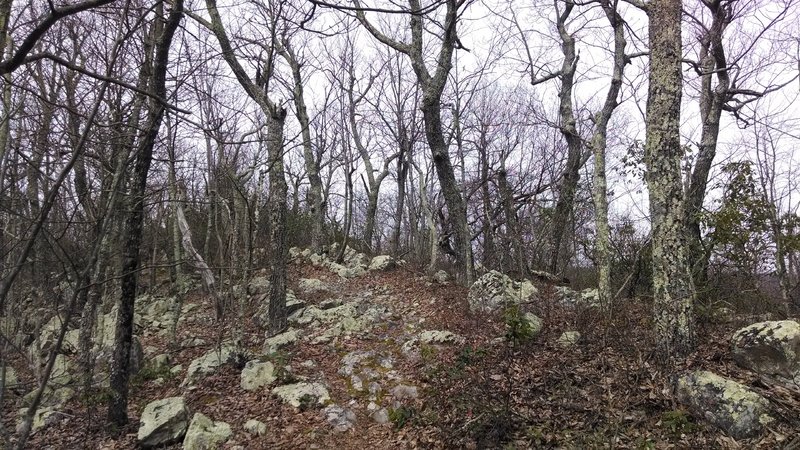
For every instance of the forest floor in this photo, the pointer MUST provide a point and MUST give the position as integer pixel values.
(603, 392)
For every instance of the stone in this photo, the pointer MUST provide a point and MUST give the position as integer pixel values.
(535, 323)
(341, 419)
(258, 286)
(11, 378)
(205, 434)
(302, 394)
(494, 291)
(160, 362)
(163, 422)
(255, 427)
(380, 416)
(312, 286)
(440, 277)
(726, 404)
(381, 263)
(440, 337)
(257, 374)
(206, 364)
(771, 348)
(279, 341)
(568, 338)
(404, 392)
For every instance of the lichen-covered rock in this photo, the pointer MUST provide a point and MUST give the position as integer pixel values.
(255, 427)
(312, 286)
(163, 422)
(771, 348)
(568, 338)
(205, 434)
(494, 291)
(571, 298)
(257, 374)
(726, 404)
(341, 419)
(440, 337)
(382, 262)
(302, 394)
(440, 277)
(258, 286)
(206, 364)
(279, 341)
(535, 323)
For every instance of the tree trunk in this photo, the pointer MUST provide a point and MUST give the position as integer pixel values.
(132, 236)
(456, 207)
(277, 201)
(673, 289)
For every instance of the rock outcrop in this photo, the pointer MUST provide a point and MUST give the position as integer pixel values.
(726, 404)
(494, 291)
(257, 374)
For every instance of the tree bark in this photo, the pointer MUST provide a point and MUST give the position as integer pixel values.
(673, 289)
(132, 236)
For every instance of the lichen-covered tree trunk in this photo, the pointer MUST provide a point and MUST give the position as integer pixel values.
(598, 144)
(673, 289)
(277, 211)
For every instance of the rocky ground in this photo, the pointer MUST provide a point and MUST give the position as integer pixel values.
(380, 356)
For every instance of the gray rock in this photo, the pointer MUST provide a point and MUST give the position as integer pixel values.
(205, 434)
(206, 364)
(163, 422)
(279, 341)
(312, 286)
(382, 262)
(340, 418)
(440, 337)
(535, 323)
(404, 392)
(380, 416)
(302, 394)
(441, 277)
(257, 374)
(495, 291)
(255, 427)
(258, 286)
(568, 338)
(726, 404)
(772, 348)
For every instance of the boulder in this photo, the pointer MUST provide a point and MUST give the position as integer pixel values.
(568, 338)
(535, 323)
(440, 337)
(205, 434)
(163, 422)
(382, 262)
(494, 291)
(341, 419)
(312, 286)
(279, 341)
(440, 277)
(255, 427)
(771, 348)
(571, 298)
(257, 374)
(726, 404)
(206, 364)
(258, 286)
(302, 394)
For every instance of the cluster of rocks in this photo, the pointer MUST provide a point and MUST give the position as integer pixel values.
(354, 264)
(768, 348)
